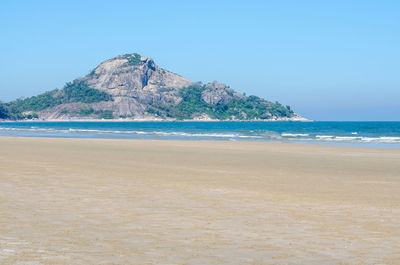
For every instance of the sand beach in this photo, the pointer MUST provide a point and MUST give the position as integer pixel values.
(98, 201)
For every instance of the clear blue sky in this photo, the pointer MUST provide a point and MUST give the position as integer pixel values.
(329, 60)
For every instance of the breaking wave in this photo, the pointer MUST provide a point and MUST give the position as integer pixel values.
(284, 132)
(127, 132)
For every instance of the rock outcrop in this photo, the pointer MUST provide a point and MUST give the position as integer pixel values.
(135, 82)
(217, 93)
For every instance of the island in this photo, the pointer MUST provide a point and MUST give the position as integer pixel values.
(133, 87)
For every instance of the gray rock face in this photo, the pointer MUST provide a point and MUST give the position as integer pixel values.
(134, 82)
(216, 93)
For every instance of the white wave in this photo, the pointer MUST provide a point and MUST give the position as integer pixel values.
(389, 138)
(217, 135)
(359, 139)
(235, 135)
(85, 130)
(346, 138)
(324, 136)
(32, 129)
(294, 134)
(159, 133)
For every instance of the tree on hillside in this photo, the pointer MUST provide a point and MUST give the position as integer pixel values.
(3, 111)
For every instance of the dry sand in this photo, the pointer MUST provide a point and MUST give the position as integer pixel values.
(90, 201)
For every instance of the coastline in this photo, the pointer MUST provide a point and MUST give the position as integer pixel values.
(294, 119)
(81, 201)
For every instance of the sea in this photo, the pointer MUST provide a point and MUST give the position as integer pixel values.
(364, 134)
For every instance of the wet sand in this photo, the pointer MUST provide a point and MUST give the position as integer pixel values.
(92, 201)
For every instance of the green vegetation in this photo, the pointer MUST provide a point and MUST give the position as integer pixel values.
(76, 91)
(133, 59)
(32, 116)
(4, 114)
(191, 103)
(92, 73)
(105, 114)
(246, 108)
(36, 103)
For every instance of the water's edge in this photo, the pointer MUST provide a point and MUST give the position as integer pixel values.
(368, 134)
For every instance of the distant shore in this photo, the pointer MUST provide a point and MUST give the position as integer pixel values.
(91, 201)
(301, 119)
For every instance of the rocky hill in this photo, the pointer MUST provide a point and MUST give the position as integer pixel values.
(134, 87)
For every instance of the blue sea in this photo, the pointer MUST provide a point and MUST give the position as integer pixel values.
(369, 134)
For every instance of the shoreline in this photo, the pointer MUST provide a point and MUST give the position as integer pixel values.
(303, 143)
(316, 133)
(150, 120)
(191, 141)
(300, 119)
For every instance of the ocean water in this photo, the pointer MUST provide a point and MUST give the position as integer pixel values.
(375, 134)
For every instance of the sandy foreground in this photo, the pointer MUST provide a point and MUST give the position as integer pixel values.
(90, 201)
